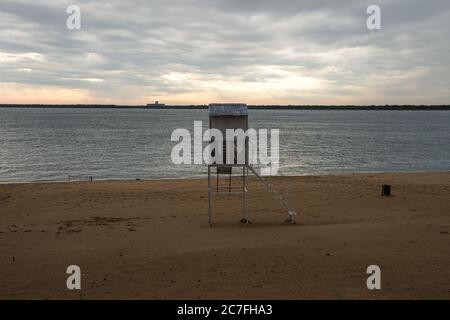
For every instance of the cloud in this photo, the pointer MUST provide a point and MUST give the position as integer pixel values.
(199, 51)
(9, 58)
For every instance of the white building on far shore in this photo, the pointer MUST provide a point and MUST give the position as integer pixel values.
(156, 104)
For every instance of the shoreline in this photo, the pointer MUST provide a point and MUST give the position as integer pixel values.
(334, 174)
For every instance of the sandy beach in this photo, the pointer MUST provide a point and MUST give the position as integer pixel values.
(151, 239)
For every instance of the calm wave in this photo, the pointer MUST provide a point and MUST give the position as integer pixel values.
(50, 144)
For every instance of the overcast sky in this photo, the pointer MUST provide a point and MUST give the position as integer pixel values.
(202, 51)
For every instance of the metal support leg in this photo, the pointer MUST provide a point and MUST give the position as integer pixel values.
(209, 197)
(244, 193)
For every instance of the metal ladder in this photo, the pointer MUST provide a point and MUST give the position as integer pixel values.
(275, 194)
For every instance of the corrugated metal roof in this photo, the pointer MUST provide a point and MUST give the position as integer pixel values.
(227, 109)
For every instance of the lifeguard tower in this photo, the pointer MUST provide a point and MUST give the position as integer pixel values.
(235, 116)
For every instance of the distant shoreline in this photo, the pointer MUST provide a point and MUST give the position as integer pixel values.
(252, 107)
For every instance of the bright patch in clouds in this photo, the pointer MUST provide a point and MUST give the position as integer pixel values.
(6, 58)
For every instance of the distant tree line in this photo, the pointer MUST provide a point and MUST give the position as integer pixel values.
(254, 107)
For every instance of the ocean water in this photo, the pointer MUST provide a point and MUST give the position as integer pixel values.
(50, 144)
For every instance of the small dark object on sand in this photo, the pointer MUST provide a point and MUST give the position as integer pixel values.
(386, 190)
